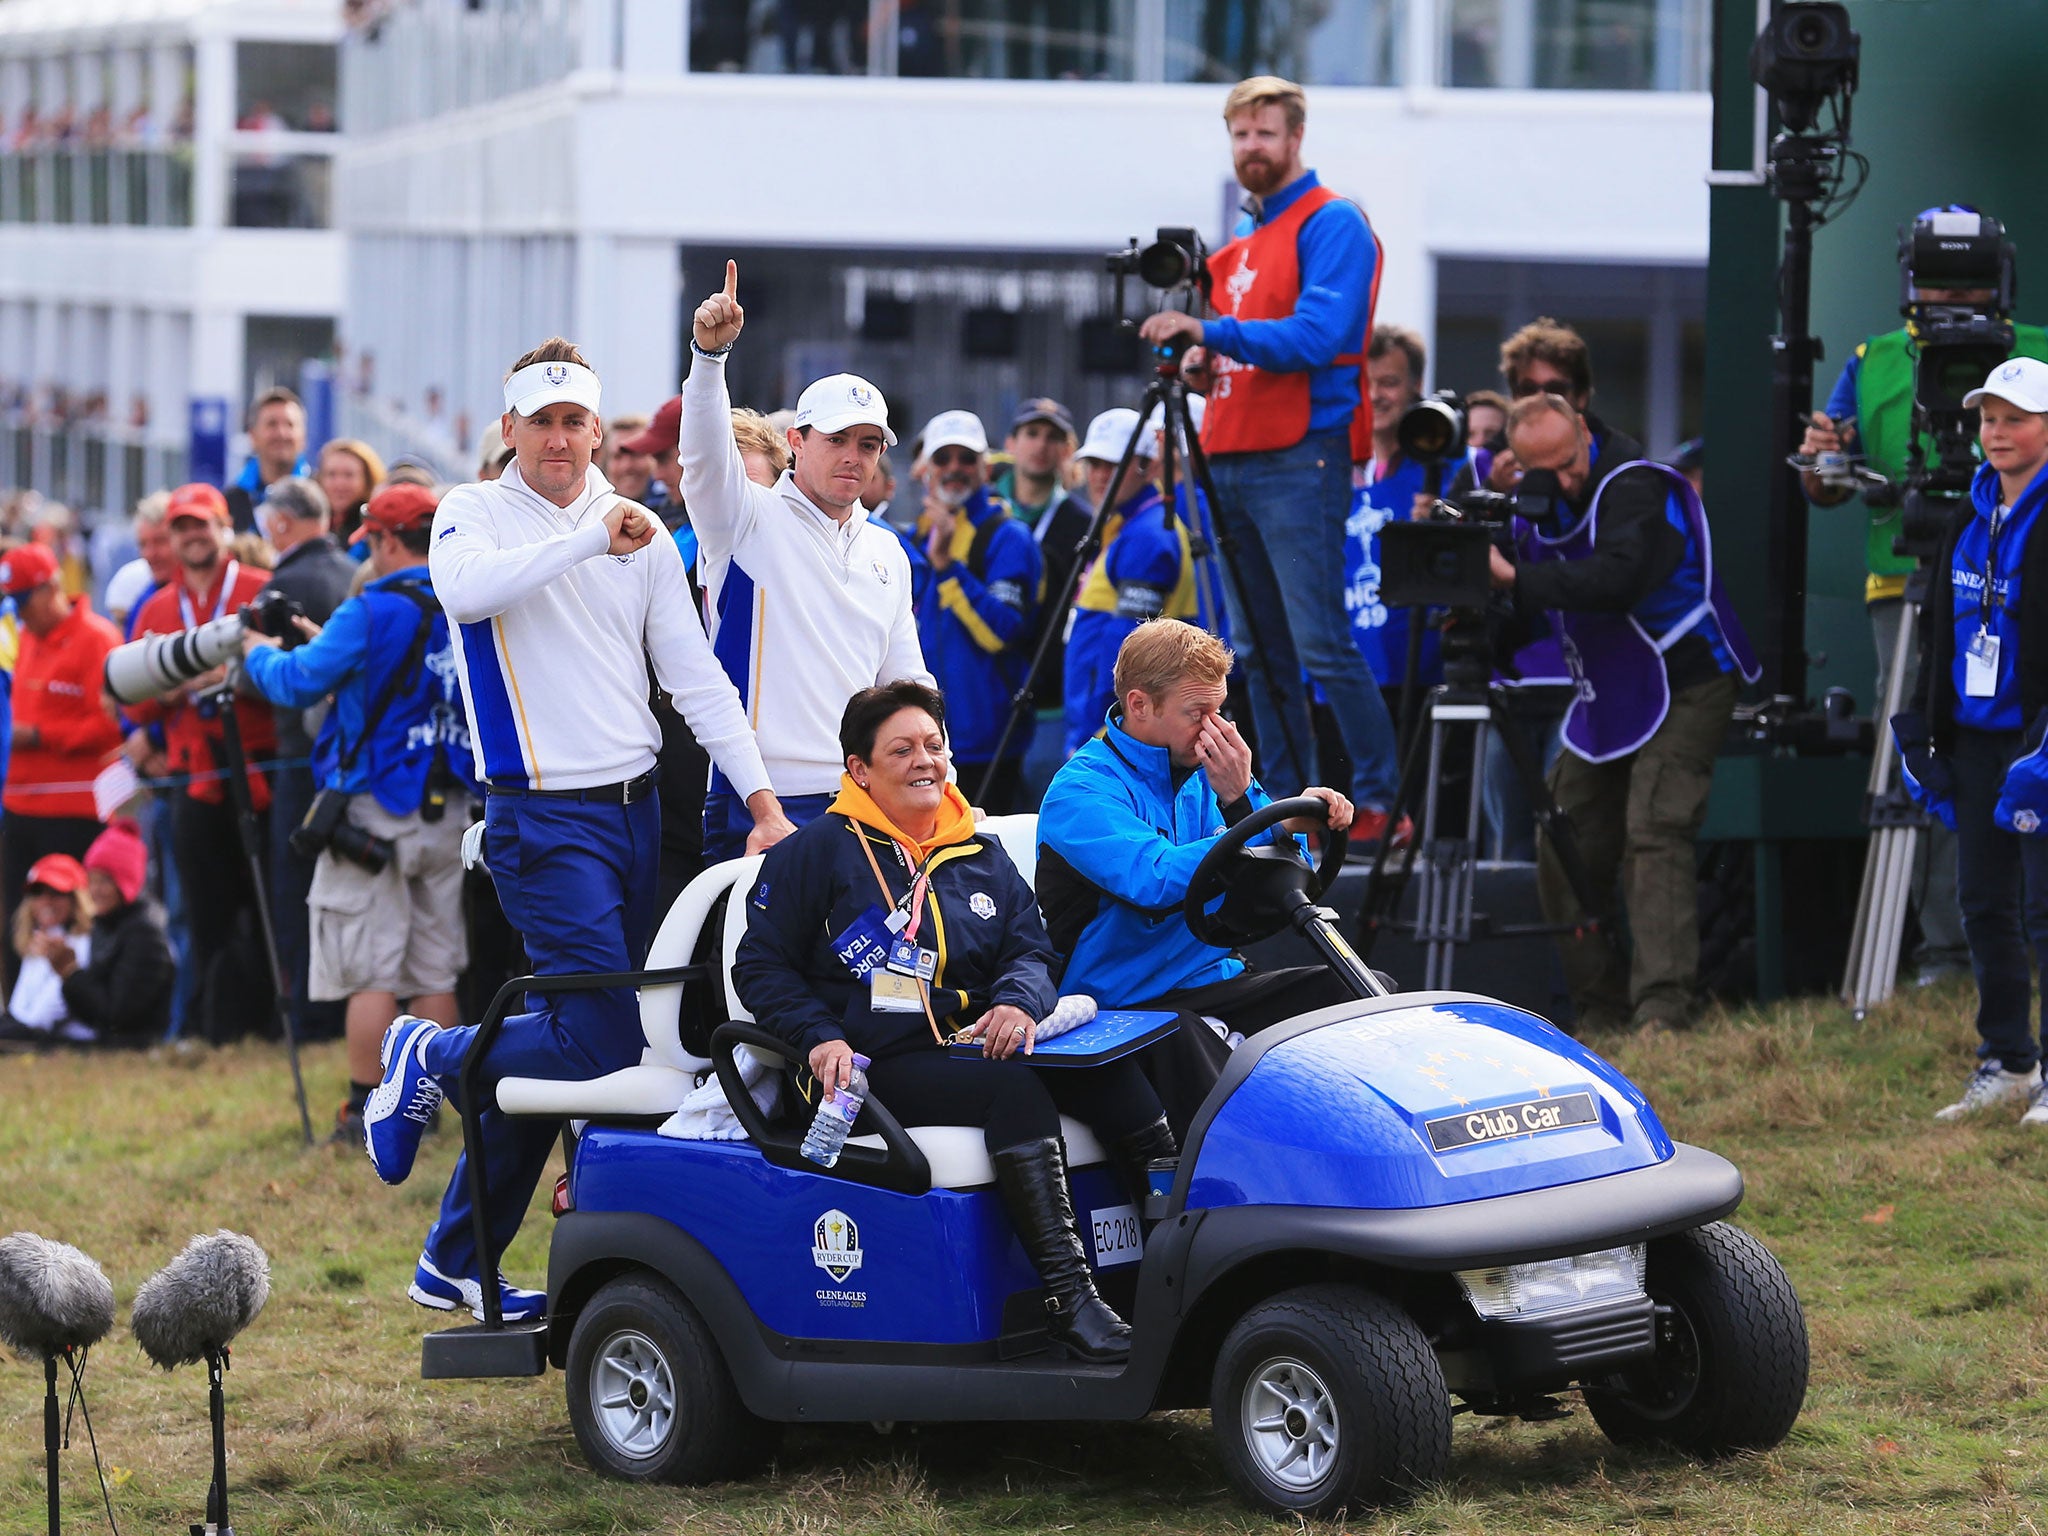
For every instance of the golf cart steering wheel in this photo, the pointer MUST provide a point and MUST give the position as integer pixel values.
(1262, 887)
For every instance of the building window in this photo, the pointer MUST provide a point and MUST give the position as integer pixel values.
(1579, 45)
(284, 87)
(1315, 42)
(281, 191)
(920, 39)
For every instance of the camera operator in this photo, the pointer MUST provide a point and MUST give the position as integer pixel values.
(1288, 416)
(1619, 560)
(1870, 411)
(396, 784)
(315, 574)
(231, 984)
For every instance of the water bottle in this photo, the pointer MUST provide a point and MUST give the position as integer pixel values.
(834, 1120)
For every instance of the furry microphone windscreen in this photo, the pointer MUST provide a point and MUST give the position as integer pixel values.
(52, 1297)
(201, 1299)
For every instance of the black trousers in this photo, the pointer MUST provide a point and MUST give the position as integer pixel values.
(23, 840)
(1011, 1101)
(2002, 887)
(232, 993)
(1185, 1065)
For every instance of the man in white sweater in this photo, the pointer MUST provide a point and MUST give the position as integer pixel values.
(807, 599)
(560, 592)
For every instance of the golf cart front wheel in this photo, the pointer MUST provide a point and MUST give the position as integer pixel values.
(1328, 1397)
(650, 1397)
(1729, 1373)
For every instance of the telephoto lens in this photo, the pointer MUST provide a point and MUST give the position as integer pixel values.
(155, 664)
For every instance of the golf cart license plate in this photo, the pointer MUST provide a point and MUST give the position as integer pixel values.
(1531, 1117)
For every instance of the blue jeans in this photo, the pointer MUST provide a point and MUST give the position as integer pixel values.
(727, 821)
(1509, 814)
(2002, 887)
(1284, 513)
(577, 880)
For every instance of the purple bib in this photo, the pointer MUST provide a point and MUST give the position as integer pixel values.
(1615, 665)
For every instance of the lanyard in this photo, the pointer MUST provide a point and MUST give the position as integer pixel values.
(1988, 602)
(227, 585)
(914, 898)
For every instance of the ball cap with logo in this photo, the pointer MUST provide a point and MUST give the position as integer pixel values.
(396, 508)
(1110, 434)
(842, 400)
(953, 429)
(23, 570)
(2020, 381)
(539, 384)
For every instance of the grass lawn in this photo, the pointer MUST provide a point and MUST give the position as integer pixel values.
(1917, 1249)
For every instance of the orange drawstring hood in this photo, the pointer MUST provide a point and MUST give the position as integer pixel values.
(956, 817)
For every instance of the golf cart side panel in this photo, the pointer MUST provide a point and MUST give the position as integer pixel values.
(821, 1258)
(1437, 1101)
(1689, 1189)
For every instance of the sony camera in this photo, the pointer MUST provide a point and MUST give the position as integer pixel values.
(153, 665)
(327, 826)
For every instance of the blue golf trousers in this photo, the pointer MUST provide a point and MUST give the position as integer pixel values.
(727, 821)
(1284, 514)
(577, 880)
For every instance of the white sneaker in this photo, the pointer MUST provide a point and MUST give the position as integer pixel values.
(2037, 1111)
(1991, 1085)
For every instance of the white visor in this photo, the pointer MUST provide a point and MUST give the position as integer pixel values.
(540, 384)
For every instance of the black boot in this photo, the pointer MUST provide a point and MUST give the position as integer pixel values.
(1033, 1179)
(1132, 1153)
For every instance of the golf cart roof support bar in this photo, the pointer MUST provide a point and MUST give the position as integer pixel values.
(472, 1071)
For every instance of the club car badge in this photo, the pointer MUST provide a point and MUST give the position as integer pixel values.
(835, 1244)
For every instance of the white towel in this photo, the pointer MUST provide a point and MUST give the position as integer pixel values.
(706, 1115)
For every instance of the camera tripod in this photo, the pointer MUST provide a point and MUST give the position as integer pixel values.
(1168, 392)
(222, 696)
(1445, 868)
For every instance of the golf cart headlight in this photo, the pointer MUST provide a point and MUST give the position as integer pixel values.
(1555, 1285)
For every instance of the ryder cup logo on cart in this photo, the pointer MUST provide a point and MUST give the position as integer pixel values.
(556, 374)
(835, 1244)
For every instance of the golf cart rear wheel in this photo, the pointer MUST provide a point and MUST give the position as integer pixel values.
(1729, 1373)
(1328, 1397)
(650, 1397)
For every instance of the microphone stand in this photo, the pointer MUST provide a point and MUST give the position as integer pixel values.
(253, 850)
(216, 1403)
(51, 1438)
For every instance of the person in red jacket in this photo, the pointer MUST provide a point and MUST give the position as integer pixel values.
(62, 734)
(232, 990)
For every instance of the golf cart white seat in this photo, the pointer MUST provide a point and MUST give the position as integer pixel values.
(667, 1073)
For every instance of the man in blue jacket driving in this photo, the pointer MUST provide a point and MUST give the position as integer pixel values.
(1123, 826)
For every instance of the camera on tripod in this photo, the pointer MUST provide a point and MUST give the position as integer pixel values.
(1432, 430)
(1176, 262)
(153, 665)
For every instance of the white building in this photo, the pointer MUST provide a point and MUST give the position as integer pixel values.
(164, 230)
(926, 210)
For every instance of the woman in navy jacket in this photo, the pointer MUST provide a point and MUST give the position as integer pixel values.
(896, 860)
(1987, 695)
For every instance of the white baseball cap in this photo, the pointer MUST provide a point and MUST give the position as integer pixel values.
(1155, 424)
(2022, 381)
(953, 429)
(1109, 435)
(842, 400)
(539, 384)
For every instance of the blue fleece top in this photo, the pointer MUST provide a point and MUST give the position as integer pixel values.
(1337, 255)
(1118, 819)
(1984, 568)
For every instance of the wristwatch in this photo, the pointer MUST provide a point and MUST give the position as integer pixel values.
(711, 352)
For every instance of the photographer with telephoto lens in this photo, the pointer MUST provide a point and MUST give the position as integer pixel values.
(396, 788)
(232, 988)
(1617, 560)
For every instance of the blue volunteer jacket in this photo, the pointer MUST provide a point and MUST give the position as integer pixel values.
(364, 641)
(1985, 596)
(1145, 572)
(1119, 836)
(976, 624)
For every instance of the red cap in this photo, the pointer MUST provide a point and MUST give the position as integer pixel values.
(396, 508)
(23, 570)
(120, 852)
(198, 500)
(660, 434)
(57, 872)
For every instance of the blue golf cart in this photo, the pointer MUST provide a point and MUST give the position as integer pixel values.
(1385, 1212)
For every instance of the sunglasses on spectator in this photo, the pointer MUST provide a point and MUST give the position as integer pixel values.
(955, 458)
(1524, 388)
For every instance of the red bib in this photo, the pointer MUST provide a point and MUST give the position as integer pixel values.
(1258, 277)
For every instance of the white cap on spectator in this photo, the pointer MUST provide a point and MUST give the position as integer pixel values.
(953, 429)
(1155, 424)
(1109, 435)
(2021, 381)
(842, 400)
